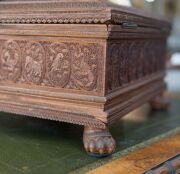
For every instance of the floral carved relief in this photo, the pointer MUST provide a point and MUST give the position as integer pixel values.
(115, 63)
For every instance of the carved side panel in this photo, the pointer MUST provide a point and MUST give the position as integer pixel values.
(54, 64)
(133, 60)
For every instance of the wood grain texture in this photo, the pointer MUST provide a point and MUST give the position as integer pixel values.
(142, 160)
(170, 166)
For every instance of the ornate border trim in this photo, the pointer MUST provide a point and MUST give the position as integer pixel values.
(53, 20)
(80, 119)
(79, 11)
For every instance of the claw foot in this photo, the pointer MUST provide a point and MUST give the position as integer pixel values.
(98, 142)
(160, 103)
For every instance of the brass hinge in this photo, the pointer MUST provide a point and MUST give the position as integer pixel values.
(129, 25)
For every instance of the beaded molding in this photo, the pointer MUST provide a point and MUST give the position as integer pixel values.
(53, 20)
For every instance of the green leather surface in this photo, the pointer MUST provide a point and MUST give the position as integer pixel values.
(34, 146)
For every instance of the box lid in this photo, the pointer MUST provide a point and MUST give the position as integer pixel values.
(76, 11)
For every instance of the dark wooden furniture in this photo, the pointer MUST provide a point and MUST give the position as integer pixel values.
(86, 62)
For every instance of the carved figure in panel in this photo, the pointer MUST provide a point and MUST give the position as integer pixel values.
(150, 57)
(129, 61)
(133, 57)
(10, 61)
(118, 64)
(58, 64)
(145, 59)
(123, 73)
(154, 55)
(65, 65)
(114, 62)
(161, 55)
(140, 56)
(34, 62)
(85, 66)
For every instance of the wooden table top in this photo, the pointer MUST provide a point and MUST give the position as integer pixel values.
(144, 159)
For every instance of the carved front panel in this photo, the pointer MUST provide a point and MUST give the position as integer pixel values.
(132, 60)
(53, 64)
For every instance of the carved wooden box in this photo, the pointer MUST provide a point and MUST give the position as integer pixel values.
(86, 62)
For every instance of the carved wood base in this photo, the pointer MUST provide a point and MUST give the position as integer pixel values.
(159, 103)
(98, 142)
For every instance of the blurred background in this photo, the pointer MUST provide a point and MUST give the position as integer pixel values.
(34, 146)
(171, 10)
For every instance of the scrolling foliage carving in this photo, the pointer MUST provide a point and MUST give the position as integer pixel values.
(64, 65)
(129, 61)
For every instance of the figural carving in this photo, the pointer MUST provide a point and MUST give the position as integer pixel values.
(59, 64)
(10, 61)
(84, 67)
(130, 61)
(75, 65)
(33, 62)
